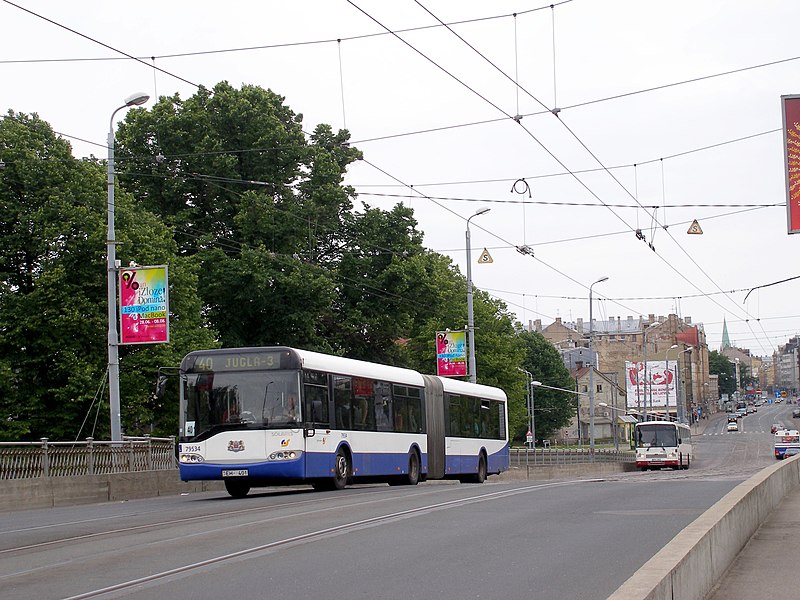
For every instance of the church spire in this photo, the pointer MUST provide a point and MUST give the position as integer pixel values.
(726, 341)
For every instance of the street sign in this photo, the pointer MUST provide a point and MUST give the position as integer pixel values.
(529, 437)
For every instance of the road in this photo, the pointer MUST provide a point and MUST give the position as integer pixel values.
(577, 539)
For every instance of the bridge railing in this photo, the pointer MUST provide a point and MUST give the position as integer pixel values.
(524, 457)
(26, 460)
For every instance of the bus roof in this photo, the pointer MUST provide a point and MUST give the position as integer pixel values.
(646, 423)
(456, 386)
(317, 361)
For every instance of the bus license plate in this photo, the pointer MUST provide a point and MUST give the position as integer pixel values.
(234, 473)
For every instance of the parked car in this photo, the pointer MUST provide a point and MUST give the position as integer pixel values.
(733, 426)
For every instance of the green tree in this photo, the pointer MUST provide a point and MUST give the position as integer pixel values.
(719, 364)
(553, 409)
(53, 292)
(260, 207)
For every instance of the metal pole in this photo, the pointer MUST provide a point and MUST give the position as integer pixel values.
(591, 372)
(472, 371)
(113, 347)
(111, 252)
(533, 416)
(529, 405)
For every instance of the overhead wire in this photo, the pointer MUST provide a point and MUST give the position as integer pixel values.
(576, 138)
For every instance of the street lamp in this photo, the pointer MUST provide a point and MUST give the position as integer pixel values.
(536, 384)
(529, 398)
(591, 372)
(666, 384)
(470, 316)
(644, 349)
(113, 343)
(606, 405)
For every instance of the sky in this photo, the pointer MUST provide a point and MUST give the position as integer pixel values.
(631, 115)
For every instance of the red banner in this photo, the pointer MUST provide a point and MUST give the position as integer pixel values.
(791, 157)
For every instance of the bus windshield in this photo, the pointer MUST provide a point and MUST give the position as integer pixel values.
(236, 400)
(656, 435)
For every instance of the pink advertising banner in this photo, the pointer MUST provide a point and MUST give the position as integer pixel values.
(791, 159)
(144, 305)
(451, 353)
(651, 387)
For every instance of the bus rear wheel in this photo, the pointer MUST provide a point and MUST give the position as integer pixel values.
(413, 475)
(237, 489)
(480, 476)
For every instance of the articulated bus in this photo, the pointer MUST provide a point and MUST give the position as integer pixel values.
(784, 440)
(662, 444)
(255, 417)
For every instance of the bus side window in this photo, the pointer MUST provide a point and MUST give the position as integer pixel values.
(315, 398)
(342, 401)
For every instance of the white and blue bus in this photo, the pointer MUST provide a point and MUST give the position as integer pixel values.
(662, 444)
(255, 417)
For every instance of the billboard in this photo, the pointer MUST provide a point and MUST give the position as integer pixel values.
(652, 387)
(451, 353)
(790, 106)
(144, 305)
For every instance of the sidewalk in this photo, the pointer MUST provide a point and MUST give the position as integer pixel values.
(767, 566)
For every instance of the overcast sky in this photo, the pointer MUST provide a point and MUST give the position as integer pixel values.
(674, 105)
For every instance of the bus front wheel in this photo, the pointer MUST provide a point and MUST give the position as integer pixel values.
(341, 470)
(237, 489)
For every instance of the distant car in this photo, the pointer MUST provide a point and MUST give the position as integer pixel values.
(733, 426)
(796, 413)
(775, 427)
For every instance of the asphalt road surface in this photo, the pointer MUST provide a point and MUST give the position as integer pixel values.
(576, 539)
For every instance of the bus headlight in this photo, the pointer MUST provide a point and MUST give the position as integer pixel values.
(191, 458)
(285, 455)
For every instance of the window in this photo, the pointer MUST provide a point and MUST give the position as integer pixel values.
(363, 404)
(408, 414)
(315, 397)
(342, 402)
(470, 417)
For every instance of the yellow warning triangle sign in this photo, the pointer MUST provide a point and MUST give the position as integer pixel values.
(694, 228)
(485, 258)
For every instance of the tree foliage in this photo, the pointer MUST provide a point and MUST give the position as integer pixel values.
(553, 409)
(265, 246)
(720, 365)
(53, 347)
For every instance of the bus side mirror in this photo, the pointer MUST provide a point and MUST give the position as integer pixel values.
(161, 386)
(309, 432)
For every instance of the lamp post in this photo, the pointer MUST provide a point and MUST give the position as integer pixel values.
(536, 384)
(529, 398)
(591, 371)
(470, 316)
(113, 342)
(666, 384)
(606, 405)
(644, 350)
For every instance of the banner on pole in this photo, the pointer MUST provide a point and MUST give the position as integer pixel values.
(144, 305)
(790, 107)
(651, 387)
(451, 353)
